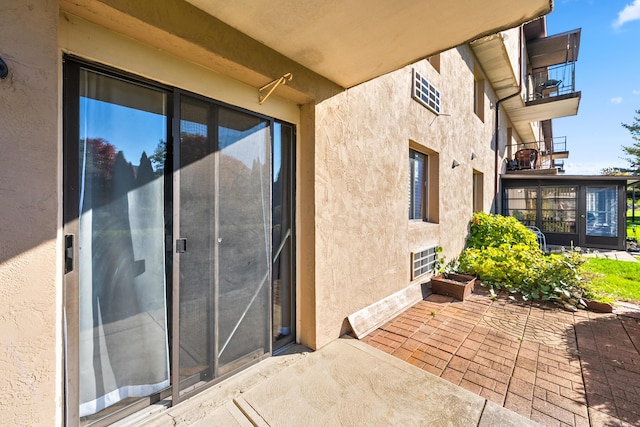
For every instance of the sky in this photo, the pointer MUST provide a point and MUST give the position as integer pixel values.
(607, 74)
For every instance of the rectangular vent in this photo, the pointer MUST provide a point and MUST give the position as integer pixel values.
(425, 93)
(423, 262)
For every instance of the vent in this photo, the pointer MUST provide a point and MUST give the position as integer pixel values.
(423, 262)
(425, 93)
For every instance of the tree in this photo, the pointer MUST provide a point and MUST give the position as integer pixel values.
(612, 171)
(633, 151)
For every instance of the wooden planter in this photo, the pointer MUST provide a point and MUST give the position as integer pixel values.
(458, 286)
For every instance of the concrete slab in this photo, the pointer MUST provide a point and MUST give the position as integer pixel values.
(610, 254)
(348, 383)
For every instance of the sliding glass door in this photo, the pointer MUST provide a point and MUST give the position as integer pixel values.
(114, 206)
(168, 242)
(224, 240)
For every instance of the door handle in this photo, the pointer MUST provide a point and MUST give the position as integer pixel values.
(68, 253)
(181, 246)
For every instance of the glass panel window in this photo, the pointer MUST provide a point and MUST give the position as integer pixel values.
(521, 203)
(417, 185)
(244, 192)
(123, 339)
(559, 210)
(602, 211)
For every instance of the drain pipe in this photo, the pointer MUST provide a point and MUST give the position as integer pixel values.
(496, 174)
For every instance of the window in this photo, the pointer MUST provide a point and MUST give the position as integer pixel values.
(478, 191)
(522, 203)
(602, 211)
(425, 93)
(558, 213)
(423, 262)
(478, 93)
(418, 185)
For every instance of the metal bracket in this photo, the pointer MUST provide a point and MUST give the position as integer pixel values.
(273, 85)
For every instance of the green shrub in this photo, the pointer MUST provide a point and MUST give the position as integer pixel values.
(504, 254)
(494, 230)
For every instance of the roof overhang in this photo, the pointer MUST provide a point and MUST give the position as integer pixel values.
(553, 50)
(627, 180)
(350, 42)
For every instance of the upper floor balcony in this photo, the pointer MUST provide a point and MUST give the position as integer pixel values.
(550, 89)
(544, 75)
(551, 82)
(540, 157)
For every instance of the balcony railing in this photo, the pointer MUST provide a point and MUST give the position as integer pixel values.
(550, 82)
(538, 155)
(559, 164)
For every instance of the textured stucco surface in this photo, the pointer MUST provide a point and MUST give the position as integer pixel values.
(353, 236)
(30, 386)
(363, 236)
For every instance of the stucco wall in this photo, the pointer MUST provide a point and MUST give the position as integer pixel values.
(29, 312)
(363, 236)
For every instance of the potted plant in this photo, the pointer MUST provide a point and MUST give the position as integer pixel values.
(450, 283)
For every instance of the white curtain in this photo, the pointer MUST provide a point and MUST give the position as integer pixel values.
(122, 309)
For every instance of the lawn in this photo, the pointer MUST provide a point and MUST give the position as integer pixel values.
(617, 280)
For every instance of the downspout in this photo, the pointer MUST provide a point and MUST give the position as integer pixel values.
(496, 175)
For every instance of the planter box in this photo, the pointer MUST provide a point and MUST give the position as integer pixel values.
(458, 286)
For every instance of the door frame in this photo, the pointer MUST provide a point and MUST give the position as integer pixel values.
(70, 202)
(617, 242)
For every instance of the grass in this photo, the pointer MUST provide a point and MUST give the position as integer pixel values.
(633, 227)
(612, 280)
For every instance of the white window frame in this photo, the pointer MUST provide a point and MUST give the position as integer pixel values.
(425, 93)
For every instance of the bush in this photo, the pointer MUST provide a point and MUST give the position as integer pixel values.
(494, 230)
(504, 254)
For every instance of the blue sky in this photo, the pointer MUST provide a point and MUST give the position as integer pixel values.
(607, 74)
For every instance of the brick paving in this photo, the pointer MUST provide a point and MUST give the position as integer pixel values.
(555, 367)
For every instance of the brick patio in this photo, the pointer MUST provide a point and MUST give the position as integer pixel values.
(555, 367)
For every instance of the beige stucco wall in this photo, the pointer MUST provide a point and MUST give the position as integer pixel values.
(353, 236)
(363, 236)
(29, 281)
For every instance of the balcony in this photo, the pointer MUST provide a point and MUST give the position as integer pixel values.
(551, 82)
(550, 85)
(538, 158)
(548, 91)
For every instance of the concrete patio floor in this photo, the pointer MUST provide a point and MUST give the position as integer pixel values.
(480, 362)
(552, 366)
(345, 383)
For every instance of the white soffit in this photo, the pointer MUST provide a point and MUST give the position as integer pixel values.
(352, 41)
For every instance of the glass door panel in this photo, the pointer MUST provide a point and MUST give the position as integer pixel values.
(197, 264)
(244, 237)
(603, 215)
(283, 296)
(602, 211)
(123, 341)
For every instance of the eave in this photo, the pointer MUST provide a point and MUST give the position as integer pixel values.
(350, 42)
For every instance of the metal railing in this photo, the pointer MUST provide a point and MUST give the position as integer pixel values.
(551, 81)
(546, 147)
(537, 155)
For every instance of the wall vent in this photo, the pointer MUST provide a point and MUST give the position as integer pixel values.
(423, 262)
(425, 93)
